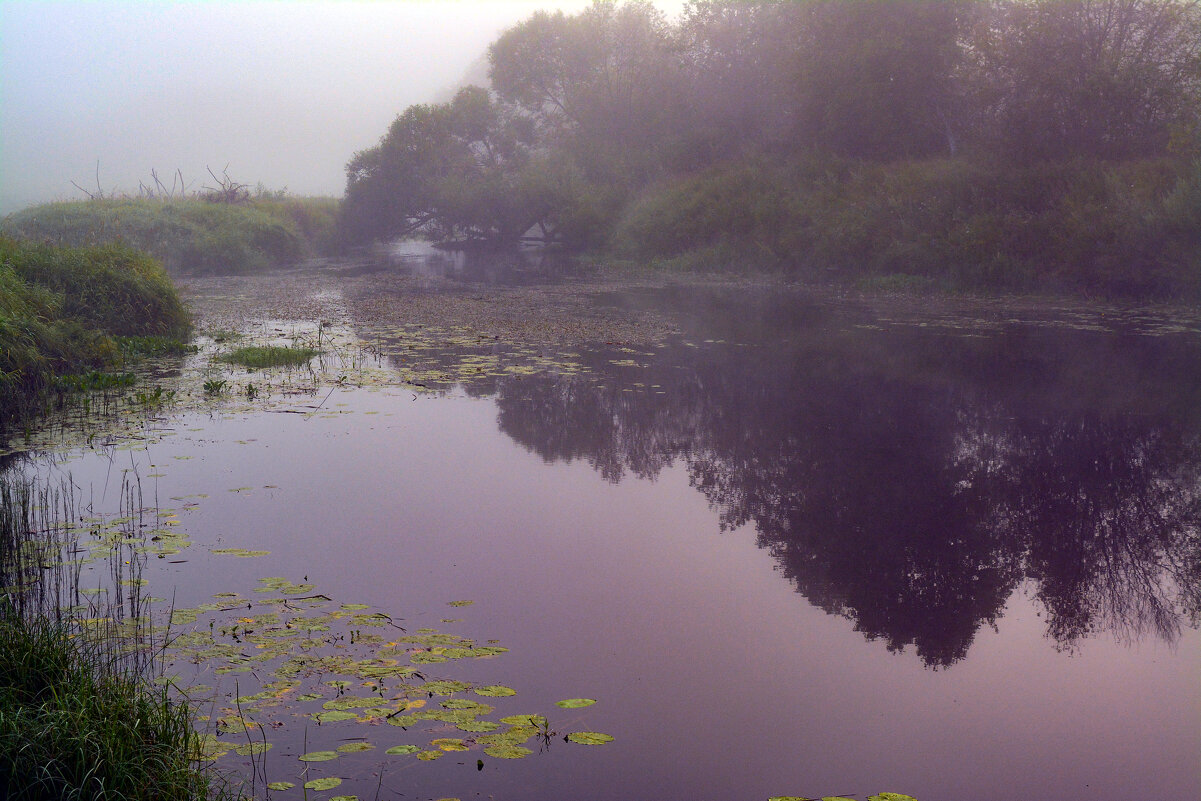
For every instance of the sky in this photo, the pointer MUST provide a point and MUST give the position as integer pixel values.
(284, 92)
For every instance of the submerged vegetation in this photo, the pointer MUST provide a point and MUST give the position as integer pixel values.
(78, 310)
(1014, 145)
(189, 235)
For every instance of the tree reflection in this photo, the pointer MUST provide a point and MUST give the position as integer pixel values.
(912, 483)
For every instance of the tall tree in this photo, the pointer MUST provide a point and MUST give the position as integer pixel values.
(1098, 78)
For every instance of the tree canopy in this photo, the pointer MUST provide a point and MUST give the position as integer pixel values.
(586, 110)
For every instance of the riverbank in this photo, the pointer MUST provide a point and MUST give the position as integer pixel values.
(67, 311)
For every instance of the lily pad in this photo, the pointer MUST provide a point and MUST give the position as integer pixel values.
(318, 756)
(352, 748)
(334, 716)
(449, 744)
(429, 756)
(891, 797)
(397, 750)
(459, 603)
(495, 691)
(327, 783)
(504, 751)
(249, 749)
(280, 786)
(589, 738)
(575, 703)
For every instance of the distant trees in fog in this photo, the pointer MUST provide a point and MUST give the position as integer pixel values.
(585, 110)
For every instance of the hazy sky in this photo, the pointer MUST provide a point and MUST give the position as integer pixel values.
(284, 92)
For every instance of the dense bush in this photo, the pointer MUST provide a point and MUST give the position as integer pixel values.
(1126, 228)
(63, 310)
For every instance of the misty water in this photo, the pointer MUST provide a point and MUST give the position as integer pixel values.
(806, 546)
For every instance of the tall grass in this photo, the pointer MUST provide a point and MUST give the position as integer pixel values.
(188, 235)
(78, 716)
(66, 310)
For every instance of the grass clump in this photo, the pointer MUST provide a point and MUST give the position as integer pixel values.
(77, 310)
(190, 235)
(75, 724)
(259, 356)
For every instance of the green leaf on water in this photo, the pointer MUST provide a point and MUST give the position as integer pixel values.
(280, 786)
(476, 726)
(495, 691)
(449, 744)
(589, 738)
(352, 748)
(445, 687)
(504, 751)
(334, 716)
(575, 703)
(789, 798)
(402, 749)
(343, 798)
(428, 756)
(327, 783)
(524, 720)
(248, 749)
(891, 797)
(459, 603)
(318, 756)
(243, 552)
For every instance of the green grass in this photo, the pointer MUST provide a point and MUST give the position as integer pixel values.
(1118, 229)
(74, 723)
(77, 310)
(189, 235)
(256, 356)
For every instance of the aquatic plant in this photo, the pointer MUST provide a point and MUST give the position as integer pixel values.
(261, 356)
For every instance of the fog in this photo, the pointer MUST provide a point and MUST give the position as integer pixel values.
(281, 92)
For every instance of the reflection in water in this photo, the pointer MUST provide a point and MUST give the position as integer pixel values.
(912, 481)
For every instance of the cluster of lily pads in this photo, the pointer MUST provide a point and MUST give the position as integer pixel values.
(343, 672)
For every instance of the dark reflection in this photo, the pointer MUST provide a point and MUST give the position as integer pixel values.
(912, 480)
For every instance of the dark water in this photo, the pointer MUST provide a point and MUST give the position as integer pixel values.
(803, 549)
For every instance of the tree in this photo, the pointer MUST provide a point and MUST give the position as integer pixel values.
(1098, 78)
(453, 171)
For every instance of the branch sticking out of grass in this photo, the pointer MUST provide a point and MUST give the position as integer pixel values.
(269, 356)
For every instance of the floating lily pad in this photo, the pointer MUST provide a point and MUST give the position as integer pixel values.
(445, 687)
(449, 744)
(524, 720)
(891, 797)
(575, 703)
(428, 756)
(243, 552)
(589, 738)
(250, 749)
(318, 756)
(327, 783)
(334, 716)
(352, 748)
(459, 603)
(343, 798)
(495, 691)
(504, 751)
(280, 786)
(403, 749)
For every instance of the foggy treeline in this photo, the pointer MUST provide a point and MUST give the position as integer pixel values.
(750, 123)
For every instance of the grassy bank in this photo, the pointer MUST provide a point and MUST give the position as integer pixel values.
(189, 235)
(75, 723)
(1125, 229)
(75, 310)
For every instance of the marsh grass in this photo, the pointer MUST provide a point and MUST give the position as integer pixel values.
(189, 235)
(261, 356)
(78, 311)
(79, 717)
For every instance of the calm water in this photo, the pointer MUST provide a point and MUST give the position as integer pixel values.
(803, 549)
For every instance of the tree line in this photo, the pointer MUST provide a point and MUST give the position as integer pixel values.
(586, 111)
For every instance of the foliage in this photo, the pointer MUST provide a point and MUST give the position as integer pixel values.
(188, 235)
(824, 137)
(256, 356)
(1125, 229)
(75, 723)
(69, 310)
